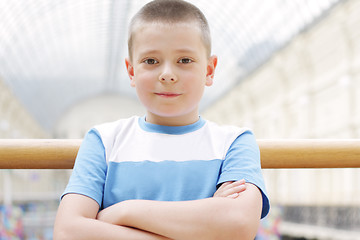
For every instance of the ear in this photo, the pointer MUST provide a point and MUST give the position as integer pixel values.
(211, 66)
(130, 70)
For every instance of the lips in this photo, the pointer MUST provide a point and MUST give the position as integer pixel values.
(168, 94)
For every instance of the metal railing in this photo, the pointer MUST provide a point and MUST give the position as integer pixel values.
(299, 153)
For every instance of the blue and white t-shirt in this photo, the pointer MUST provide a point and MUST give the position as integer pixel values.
(134, 159)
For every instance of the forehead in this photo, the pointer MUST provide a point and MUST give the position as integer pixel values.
(155, 35)
(159, 26)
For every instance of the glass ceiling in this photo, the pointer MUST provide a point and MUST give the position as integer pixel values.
(56, 53)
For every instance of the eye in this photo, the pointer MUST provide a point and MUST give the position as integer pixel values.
(185, 60)
(150, 61)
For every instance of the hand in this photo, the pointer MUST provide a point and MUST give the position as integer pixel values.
(231, 189)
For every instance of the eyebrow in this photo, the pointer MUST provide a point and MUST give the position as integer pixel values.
(180, 50)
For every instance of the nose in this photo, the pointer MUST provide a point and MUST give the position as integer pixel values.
(167, 74)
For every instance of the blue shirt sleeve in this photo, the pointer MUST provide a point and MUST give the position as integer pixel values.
(89, 172)
(242, 161)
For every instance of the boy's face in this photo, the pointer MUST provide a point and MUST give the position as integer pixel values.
(170, 69)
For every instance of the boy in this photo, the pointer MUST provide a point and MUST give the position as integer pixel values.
(170, 174)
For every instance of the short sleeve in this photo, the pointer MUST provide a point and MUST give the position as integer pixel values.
(89, 172)
(242, 161)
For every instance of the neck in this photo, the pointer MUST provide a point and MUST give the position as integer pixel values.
(171, 121)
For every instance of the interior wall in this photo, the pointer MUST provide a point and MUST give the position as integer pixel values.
(96, 110)
(15, 120)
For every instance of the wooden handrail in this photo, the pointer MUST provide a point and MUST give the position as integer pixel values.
(38, 153)
(301, 153)
(310, 153)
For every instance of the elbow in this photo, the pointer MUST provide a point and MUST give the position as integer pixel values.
(244, 231)
(60, 234)
(64, 231)
(234, 229)
(235, 232)
(239, 226)
(244, 227)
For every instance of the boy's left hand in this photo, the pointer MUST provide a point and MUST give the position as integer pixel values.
(231, 189)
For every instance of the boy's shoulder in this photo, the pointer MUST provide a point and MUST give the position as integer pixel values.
(227, 129)
(109, 128)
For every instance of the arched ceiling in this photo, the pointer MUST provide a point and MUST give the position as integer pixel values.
(55, 53)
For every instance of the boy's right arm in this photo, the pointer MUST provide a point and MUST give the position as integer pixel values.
(76, 219)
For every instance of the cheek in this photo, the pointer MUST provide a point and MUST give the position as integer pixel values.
(195, 90)
(195, 81)
(144, 80)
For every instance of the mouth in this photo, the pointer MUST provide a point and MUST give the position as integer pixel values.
(167, 94)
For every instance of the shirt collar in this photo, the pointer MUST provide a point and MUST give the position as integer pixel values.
(175, 130)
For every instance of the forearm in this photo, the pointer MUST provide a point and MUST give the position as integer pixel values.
(200, 219)
(94, 229)
(212, 218)
(76, 220)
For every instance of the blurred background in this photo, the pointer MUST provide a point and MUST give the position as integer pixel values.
(287, 69)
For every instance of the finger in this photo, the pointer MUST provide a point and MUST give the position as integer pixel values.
(235, 189)
(231, 191)
(223, 185)
(228, 185)
(242, 181)
(228, 188)
(234, 195)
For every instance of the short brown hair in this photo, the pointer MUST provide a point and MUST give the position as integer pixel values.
(170, 12)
